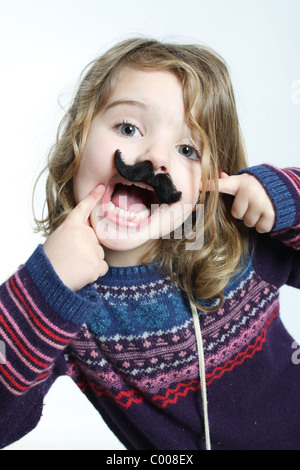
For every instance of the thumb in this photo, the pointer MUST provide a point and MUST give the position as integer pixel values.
(82, 211)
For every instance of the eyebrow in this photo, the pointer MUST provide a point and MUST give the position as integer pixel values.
(137, 104)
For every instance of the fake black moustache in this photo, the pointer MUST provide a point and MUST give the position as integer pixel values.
(143, 172)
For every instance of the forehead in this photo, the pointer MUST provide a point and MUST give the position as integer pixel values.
(154, 90)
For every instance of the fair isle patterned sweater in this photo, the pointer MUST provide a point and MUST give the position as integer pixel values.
(129, 343)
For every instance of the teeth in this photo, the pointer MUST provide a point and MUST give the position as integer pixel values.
(132, 216)
(139, 185)
(143, 186)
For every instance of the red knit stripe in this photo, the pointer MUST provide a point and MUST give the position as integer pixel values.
(297, 181)
(20, 345)
(34, 318)
(16, 384)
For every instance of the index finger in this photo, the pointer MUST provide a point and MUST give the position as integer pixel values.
(82, 211)
(226, 185)
(229, 185)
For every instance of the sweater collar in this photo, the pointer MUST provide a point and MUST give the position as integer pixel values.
(130, 275)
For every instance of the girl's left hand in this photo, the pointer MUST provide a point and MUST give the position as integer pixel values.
(252, 203)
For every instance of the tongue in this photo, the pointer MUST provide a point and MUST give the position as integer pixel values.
(129, 198)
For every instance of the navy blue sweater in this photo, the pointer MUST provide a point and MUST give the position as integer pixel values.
(128, 342)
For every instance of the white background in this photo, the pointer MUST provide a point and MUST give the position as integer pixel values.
(45, 44)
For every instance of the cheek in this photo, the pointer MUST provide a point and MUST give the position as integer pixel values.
(173, 217)
(81, 187)
(94, 168)
(190, 188)
(189, 185)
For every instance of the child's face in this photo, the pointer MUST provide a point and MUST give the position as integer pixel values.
(144, 118)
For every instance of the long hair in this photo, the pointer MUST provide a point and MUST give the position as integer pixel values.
(210, 112)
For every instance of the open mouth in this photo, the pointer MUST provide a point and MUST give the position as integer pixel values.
(131, 203)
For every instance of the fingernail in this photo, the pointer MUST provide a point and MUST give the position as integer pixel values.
(99, 188)
(97, 191)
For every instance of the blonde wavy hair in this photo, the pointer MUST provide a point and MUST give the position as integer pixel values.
(210, 112)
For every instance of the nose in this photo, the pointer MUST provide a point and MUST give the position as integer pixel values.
(158, 155)
(143, 170)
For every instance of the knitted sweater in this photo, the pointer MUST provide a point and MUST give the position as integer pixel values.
(128, 342)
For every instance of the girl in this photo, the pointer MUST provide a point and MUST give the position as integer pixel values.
(177, 345)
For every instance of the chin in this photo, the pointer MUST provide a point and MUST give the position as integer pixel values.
(122, 245)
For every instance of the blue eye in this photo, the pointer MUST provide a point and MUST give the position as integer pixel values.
(188, 152)
(129, 130)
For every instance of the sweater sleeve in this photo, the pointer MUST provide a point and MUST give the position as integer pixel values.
(39, 317)
(276, 255)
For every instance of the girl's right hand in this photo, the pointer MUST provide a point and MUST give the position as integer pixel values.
(74, 249)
